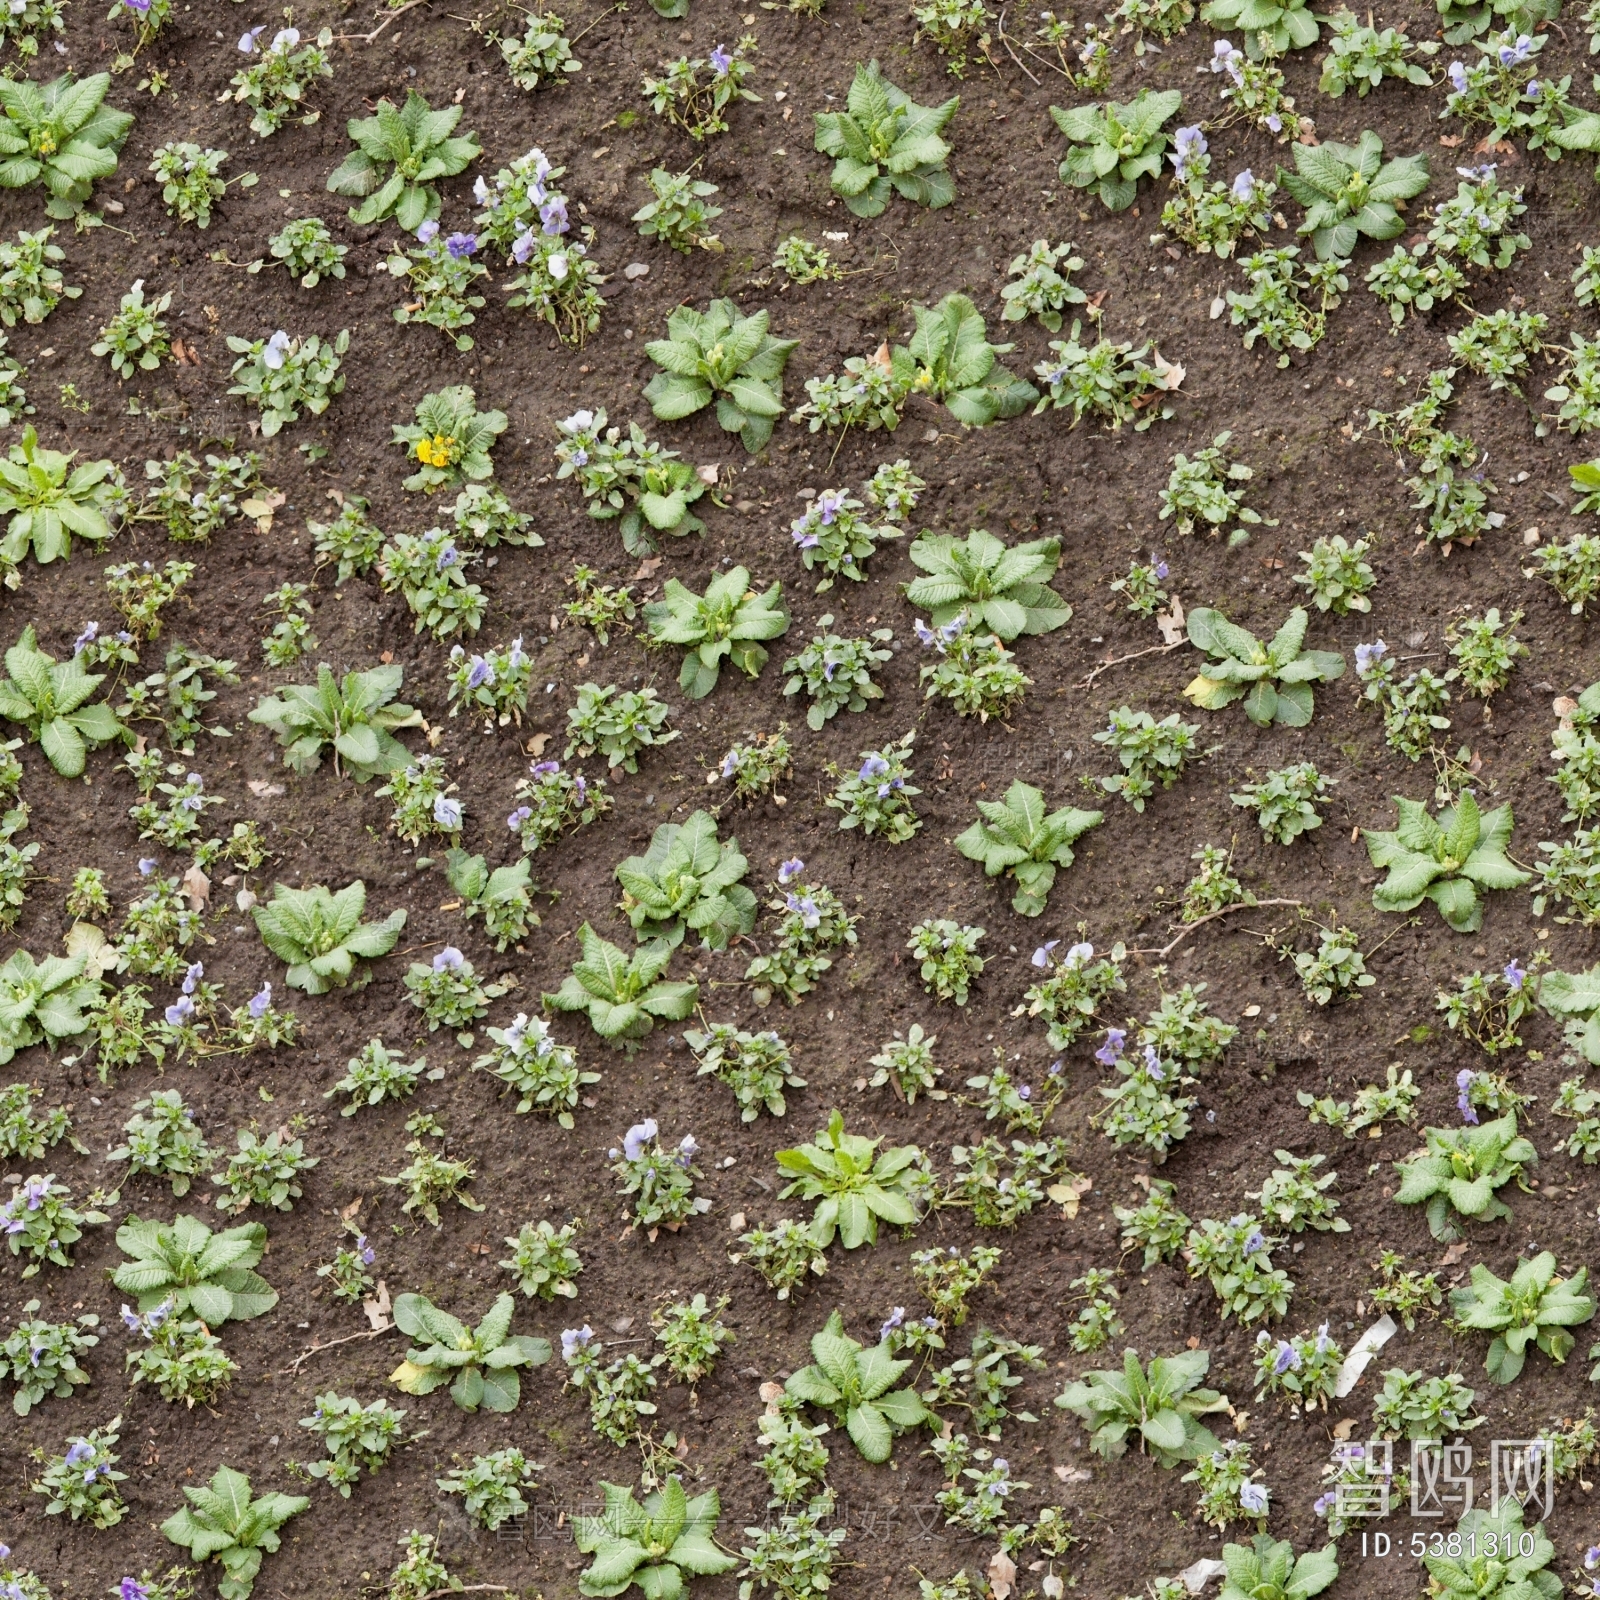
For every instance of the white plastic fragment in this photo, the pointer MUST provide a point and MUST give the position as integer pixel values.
(1195, 1578)
(1366, 1347)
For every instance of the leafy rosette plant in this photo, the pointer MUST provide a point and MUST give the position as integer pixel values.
(398, 156)
(1267, 1568)
(49, 500)
(355, 714)
(852, 1183)
(47, 697)
(1446, 860)
(1002, 589)
(856, 1383)
(658, 1545)
(1535, 1307)
(622, 993)
(60, 134)
(43, 1001)
(1019, 837)
(322, 937)
(727, 622)
(1349, 191)
(883, 142)
(1499, 1559)
(956, 365)
(722, 356)
(200, 1273)
(1575, 998)
(1459, 1171)
(1275, 25)
(224, 1522)
(1159, 1406)
(478, 1363)
(688, 879)
(1273, 679)
(451, 439)
(1112, 146)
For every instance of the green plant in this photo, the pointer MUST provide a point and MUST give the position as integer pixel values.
(692, 1335)
(291, 635)
(47, 697)
(1501, 1557)
(970, 668)
(439, 273)
(1001, 589)
(678, 213)
(320, 934)
(1361, 56)
(60, 134)
(906, 1065)
(1404, 284)
(812, 923)
(262, 1172)
(688, 879)
(501, 896)
(1534, 1307)
(543, 1260)
(657, 1544)
(350, 538)
(756, 1066)
(1268, 1569)
(803, 262)
(725, 623)
(41, 1222)
(49, 501)
(1111, 146)
(1349, 191)
(884, 142)
(1460, 1170)
(1148, 750)
(1336, 970)
(451, 439)
(1500, 345)
(186, 1264)
(1275, 305)
(225, 1522)
(429, 570)
(353, 714)
(1236, 1256)
(853, 1184)
(1018, 837)
(447, 992)
(783, 1255)
(308, 250)
(618, 723)
(1486, 651)
(41, 1358)
(1043, 287)
(191, 180)
(1337, 576)
(1447, 860)
(954, 363)
(1160, 1405)
(136, 335)
(478, 1363)
(31, 286)
(1274, 680)
(82, 1482)
(275, 86)
(1402, 1292)
(281, 375)
(1412, 1405)
(698, 105)
(1304, 1367)
(855, 1383)
(623, 994)
(164, 1140)
(430, 1176)
(1197, 491)
(948, 953)
(1107, 380)
(30, 23)
(398, 157)
(1285, 801)
(1475, 223)
(1297, 1199)
(491, 1487)
(877, 797)
(358, 1438)
(542, 55)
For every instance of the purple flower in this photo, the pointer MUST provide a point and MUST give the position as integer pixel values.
(1189, 144)
(1253, 1241)
(1591, 1557)
(1514, 974)
(688, 1148)
(260, 1001)
(1110, 1053)
(521, 250)
(142, 7)
(575, 1339)
(193, 976)
(543, 769)
(1514, 55)
(285, 39)
(428, 232)
(1464, 1080)
(461, 245)
(131, 1588)
(518, 817)
(791, 869)
(1079, 953)
(1041, 956)
(90, 633)
(447, 813)
(1024, 1092)
(1253, 1497)
(873, 767)
(449, 960)
(1275, 123)
(804, 538)
(147, 865)
(925, 635)
(637, 1137)
(1323, 1502)
(1161, 566)
(1288, 1357)
(804, 907)
(481, 673)
(180, 1011)
(448, 556)
(132, 1321)
(1457, 74)
(247, 41)
(514, 657)
(1534, 90)
(365, 1251)
(553, 215)
(1244, 188)
(1369, 655)
(730, 763)
(80, 1451)
(719, 61)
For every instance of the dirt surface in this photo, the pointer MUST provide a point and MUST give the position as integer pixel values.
(1298, 428)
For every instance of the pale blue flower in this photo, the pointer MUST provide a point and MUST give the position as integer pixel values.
(192, 977)
(180, 1011)
(1369, 655)
(247, 41)
(447, 813)
(260, 1001)
(1244, 188)
(790, 870)
(272, 355)
(1041, 956)
(1253, 1497)
(428, 232)
(575, 1339)
(461, 245)
(449, 960)
(719, 61)
(637, 1137)
(1457, 75)
(1110, 1052)
(1514, 974)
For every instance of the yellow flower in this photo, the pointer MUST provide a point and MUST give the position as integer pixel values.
(439, 451)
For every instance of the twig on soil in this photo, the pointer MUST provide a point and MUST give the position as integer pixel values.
(1153, 650)
(317, 1349)
(1241, 905)
(1010, 52)
(367, 38)
(469, 1588)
